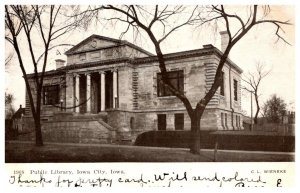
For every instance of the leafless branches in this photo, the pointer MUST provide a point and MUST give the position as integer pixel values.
(149, 20)
(9, 58)
(32, 20)
(219, 12)
(159, 22)
(253, 81)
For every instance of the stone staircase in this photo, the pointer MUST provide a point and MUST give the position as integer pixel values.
(78, 128)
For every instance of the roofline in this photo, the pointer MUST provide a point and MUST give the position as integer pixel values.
(71, 50)
(229, 61)
(189, 53)
(137, 61)
(48, 73)
(168, 57)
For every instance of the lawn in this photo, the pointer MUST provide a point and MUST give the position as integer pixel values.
(26, 152)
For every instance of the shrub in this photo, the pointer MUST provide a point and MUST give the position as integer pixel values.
(231, 140)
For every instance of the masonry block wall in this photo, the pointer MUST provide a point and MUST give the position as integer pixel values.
(48, 110)
(125, 88)
(194, 84)
(199, 73)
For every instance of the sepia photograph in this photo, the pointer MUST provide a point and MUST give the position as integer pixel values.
(105, 97)
(162, 83)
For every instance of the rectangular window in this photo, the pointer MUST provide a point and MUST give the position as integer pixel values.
(161, 122)
(222, 85)
(237, 121)
(176, 80)
(235, 88)
(179, 121)
(51, 95)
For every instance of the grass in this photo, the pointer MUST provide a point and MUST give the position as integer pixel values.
(26, 152)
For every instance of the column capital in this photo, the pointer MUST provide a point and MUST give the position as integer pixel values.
(114, 70)
(102, 72)
(87, 74)
(76, 75)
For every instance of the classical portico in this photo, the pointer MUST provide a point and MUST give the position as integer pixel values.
(95, 91)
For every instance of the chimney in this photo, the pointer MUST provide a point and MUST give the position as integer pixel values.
(20, 106)
(224, 40)
(59, 63)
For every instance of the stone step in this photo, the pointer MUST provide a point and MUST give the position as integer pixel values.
(74, 116)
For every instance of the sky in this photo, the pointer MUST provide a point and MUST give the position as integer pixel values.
(259, 45)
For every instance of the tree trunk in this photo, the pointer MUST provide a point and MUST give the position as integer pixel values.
(257, 109)
(38, 131)
(195, 135)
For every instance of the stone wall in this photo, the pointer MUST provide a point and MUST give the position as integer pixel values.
(69, 128)
(125, 88)
(81, 131)
(48, 110)
(194, 84)
(129, 124)
(230, 74)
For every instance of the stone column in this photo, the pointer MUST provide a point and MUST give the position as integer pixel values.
(102, 90)
(88, 93)
(77, 76)
(115, 88)
(70, 92)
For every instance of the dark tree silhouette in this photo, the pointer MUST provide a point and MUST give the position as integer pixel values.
(26, 21)
(274, 109)
(9, 110)
(143, 19)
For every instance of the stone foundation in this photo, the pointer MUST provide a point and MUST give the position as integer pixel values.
(72, 128)
(118, 126)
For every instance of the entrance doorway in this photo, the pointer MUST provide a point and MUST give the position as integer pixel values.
(108, 90)
(82, 93)
(95, 93)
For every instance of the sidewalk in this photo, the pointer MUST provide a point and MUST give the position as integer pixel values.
(26, 152)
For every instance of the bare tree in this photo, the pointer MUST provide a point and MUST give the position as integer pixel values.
(253, 81)
(29, 20)
(143, 19)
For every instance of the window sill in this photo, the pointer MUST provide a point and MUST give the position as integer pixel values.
(166, 97)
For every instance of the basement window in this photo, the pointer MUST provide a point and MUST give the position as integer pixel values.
(161, 122)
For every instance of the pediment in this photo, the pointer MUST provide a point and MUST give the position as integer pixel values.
(93, 43)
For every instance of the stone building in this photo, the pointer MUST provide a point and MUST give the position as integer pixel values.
(108, 90)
